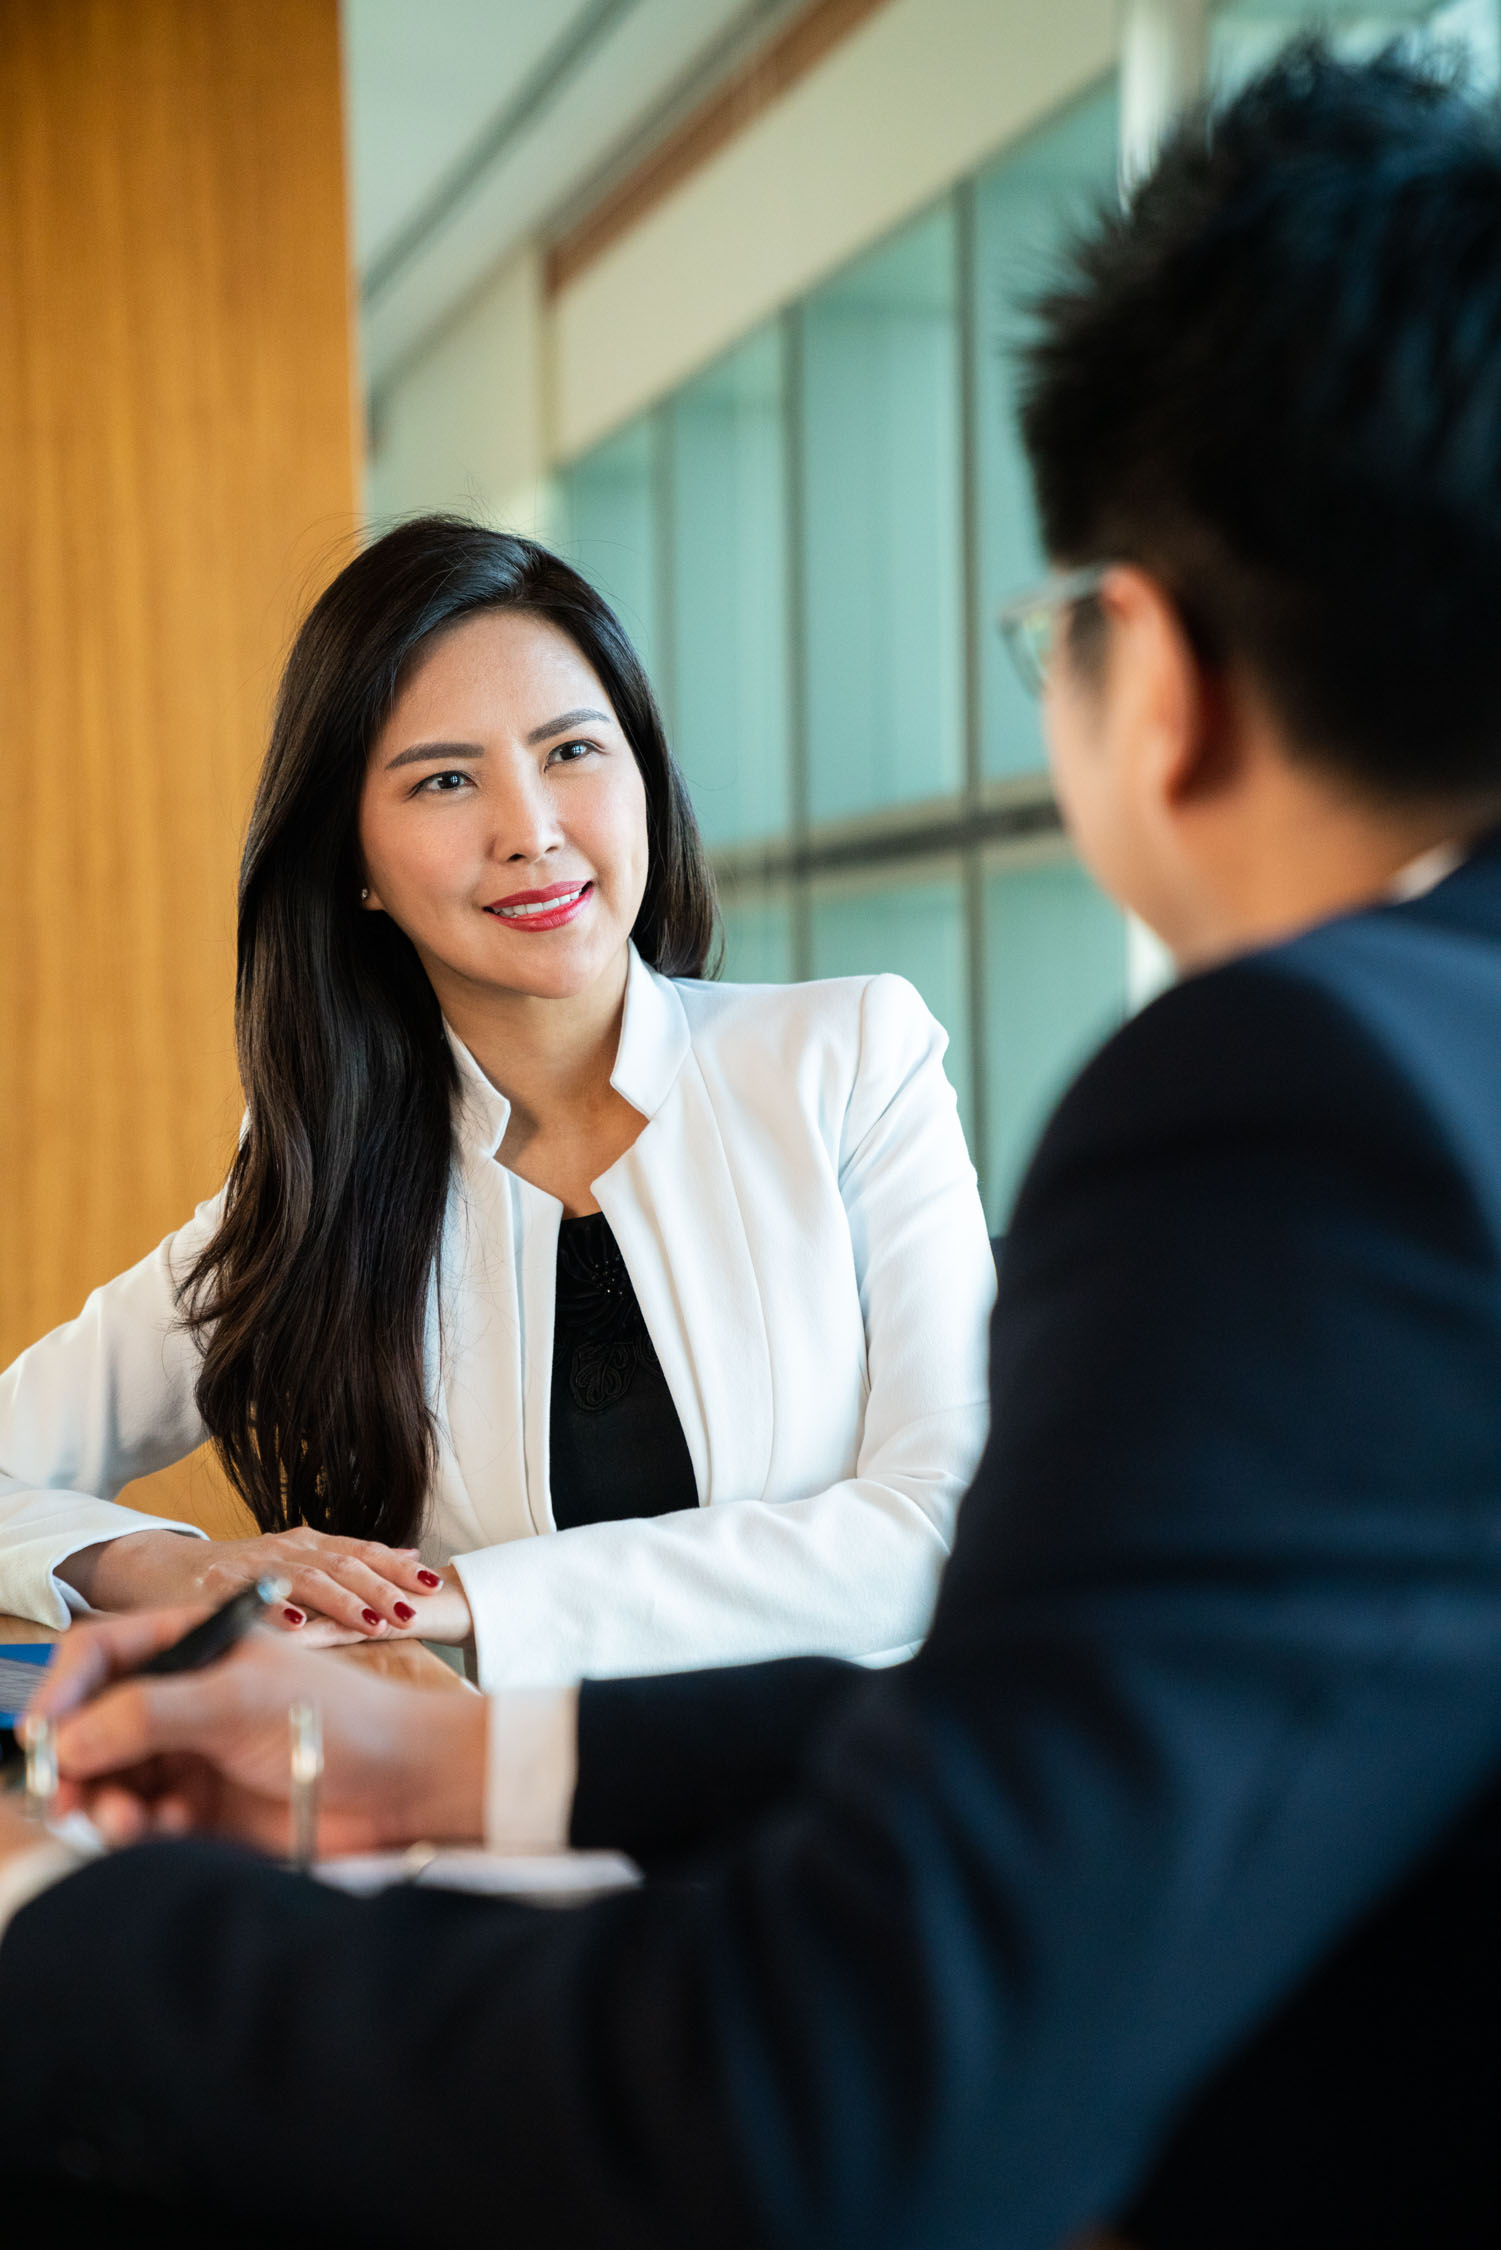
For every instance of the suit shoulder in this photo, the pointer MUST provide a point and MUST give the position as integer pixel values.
(1270, 1058)
(1254, 1037)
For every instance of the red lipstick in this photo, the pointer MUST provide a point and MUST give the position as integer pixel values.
(542, 910)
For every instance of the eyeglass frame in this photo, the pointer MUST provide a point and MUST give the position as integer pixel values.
(1060, 590)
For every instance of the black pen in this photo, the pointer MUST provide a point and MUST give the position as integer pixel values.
(203, 1644)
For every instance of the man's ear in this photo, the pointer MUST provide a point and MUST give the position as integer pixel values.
(1176, 706)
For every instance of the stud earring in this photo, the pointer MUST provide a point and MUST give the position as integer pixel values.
(364, 890)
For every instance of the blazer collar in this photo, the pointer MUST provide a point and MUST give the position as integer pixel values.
(654, 1039)
(484, 1112)
(654, 1044)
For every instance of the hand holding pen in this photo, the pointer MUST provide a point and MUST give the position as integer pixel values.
(145, 1752)
(202, 1644)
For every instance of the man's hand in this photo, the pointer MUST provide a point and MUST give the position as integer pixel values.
(209, 1750)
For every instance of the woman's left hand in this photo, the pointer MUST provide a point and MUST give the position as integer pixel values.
(442, 1616)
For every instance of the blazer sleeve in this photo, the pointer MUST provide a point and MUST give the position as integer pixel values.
(103, 1399)
(850, 1570)
(1214, 1664)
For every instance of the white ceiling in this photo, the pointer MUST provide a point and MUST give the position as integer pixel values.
(425, 77)
(472, 122)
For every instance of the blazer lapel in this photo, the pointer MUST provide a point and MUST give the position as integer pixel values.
(673, 1207)
(496, 1322)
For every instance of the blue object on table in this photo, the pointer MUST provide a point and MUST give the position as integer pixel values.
(20, 1662)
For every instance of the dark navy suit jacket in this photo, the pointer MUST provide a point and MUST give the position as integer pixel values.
(1215, 1678)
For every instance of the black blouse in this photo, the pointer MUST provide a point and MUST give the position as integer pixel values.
(617, 1445)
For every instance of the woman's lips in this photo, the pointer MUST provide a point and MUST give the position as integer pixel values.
(542, 910)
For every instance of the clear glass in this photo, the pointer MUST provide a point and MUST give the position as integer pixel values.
(1055, 971)
(1025, 206)
(1029, 625)
(728, 573)
(758, 941)
(608, 530)
(912, 925)
(882, 527)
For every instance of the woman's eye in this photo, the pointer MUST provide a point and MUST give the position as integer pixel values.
(443, 784)
(568, 753)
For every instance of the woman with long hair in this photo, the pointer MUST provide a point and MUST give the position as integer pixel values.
(558, 1301)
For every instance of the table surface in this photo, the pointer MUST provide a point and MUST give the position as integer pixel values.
(394, 1660)
(14, 1629)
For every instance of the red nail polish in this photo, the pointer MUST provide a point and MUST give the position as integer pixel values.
(404, 1611)
(429, 1578)
(370, 1617)
(294, 1617)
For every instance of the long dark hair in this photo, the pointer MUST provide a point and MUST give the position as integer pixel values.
(310, 1301)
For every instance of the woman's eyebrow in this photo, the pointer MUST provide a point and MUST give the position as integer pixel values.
(566, 720)
(417, 751)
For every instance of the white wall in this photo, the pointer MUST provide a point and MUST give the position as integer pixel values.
(920, 95)
(463, 425)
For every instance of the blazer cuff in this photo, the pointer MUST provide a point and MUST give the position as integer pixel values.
(531, 1769)
(512, 1644)
(32, 1552)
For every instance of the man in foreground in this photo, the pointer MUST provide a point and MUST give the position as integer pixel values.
(1215, 1676)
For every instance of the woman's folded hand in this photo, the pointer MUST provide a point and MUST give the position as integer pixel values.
(350, 1589)
(210, 1750)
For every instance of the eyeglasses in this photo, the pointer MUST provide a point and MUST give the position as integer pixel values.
(1029, 623)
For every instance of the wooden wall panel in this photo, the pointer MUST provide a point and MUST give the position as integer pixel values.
(176, 477)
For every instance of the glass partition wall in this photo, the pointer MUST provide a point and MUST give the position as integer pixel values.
(809, 542)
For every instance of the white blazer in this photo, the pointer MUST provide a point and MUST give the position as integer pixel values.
(800, 1220)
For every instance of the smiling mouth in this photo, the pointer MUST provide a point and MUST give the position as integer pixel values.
(542, 910)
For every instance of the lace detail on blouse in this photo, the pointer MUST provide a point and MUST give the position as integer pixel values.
(598, 1318)
(617, 1445)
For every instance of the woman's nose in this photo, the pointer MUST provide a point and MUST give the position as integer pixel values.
(526, 824)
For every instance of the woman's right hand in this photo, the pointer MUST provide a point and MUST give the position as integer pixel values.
(341, 1589)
